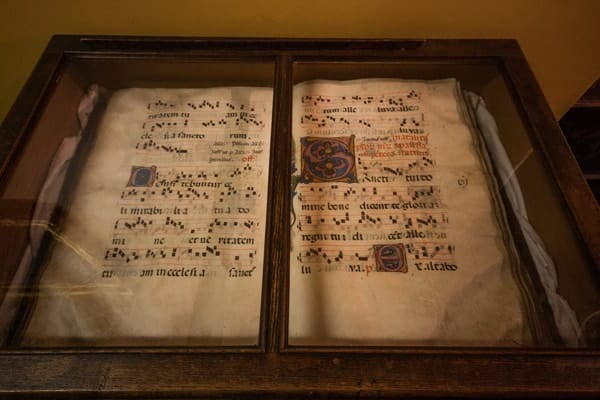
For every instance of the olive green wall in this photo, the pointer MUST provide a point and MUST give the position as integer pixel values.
(560, 38)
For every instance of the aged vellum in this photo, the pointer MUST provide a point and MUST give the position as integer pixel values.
(397, 234)
(163, 242)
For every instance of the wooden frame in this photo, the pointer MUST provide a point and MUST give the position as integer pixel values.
(273, 368)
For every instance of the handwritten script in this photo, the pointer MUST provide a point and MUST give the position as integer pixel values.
(397, 235)
(167, 224)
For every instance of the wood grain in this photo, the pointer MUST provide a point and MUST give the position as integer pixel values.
(273, 369)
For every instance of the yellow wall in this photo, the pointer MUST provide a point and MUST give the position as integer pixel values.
(560, 38)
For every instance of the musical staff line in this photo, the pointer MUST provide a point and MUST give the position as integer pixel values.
(193, 225)
(133, 256)
(417, 250)
(312, 120)
(391, 99)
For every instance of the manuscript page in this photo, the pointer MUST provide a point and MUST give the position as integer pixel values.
(164, 239)
(397, 234)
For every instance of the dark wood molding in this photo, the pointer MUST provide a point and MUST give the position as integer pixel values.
(274, 368)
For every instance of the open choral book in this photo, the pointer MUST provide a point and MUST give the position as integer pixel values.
(398, 234)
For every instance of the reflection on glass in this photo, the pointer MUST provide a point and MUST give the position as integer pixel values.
(162, 241)
(399, 235)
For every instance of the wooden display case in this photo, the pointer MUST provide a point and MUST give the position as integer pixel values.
(561, 208)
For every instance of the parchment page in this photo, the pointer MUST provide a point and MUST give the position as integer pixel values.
(164, 239)
(397, 237)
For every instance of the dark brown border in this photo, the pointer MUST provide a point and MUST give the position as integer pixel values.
(274, 369)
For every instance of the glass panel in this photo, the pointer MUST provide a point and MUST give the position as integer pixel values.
(136, 213)
(419, 219)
